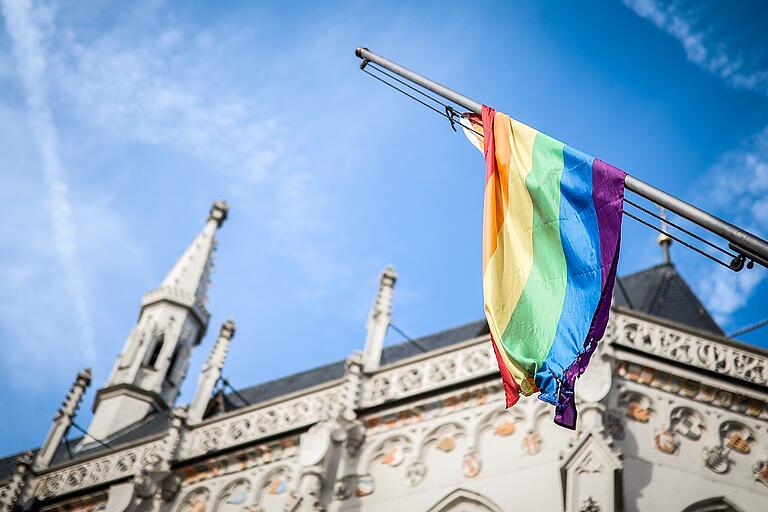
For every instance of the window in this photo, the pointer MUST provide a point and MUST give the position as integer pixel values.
(152, 361)
(172, 366)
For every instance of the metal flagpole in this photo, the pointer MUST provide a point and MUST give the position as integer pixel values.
(750, 246)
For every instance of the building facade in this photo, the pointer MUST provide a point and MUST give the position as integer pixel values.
(673, 417)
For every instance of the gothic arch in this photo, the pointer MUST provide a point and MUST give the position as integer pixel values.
(469, 501)
(719, 504)
(277, 480)
(378, 449)
(196, 500)
(453, 429)
(235, 493)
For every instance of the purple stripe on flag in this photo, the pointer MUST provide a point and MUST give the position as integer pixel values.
(608, 195)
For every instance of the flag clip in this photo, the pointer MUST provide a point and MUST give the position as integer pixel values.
(450, 113)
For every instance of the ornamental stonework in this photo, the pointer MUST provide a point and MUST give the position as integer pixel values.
(716, 356)
(687, 388)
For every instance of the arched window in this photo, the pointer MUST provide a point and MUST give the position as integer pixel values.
(718, 504)
(172, 366)
(462, 500)
(156, 349)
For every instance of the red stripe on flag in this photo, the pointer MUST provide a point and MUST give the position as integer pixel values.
(511, 388)
(490, 145)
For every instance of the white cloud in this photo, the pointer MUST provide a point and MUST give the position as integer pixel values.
(701, 45)
(156, 88)
(25, 25)
(155, 81)
(736, 185)
(736, 188)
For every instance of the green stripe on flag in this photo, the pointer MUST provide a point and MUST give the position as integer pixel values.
(539, 307)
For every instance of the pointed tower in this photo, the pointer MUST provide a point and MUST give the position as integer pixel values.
(378, 320)
(148, 373)
(211, 372)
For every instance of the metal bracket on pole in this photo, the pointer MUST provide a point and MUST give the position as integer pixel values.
(751, 248)
(450, 113)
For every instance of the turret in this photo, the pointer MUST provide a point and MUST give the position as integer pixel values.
(173, 318)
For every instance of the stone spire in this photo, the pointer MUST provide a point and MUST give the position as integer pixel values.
(187, 282)
(664, 240)
(211, 372)
(63, 419)
(17, 483)
(378, 320)
(149, 372)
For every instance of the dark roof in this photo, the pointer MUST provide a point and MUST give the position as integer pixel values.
(332, 371)
(661, 291)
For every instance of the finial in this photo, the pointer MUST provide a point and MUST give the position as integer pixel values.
(71, 403)
(219, 211)
(664, 240)
(227, 329)
(389, 276)
(218, 355)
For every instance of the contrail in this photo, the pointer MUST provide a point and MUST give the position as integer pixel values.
(31, 65)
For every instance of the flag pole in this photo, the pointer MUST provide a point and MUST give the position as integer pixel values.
(750, 246)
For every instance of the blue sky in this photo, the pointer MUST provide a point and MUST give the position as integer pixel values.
(121, 121)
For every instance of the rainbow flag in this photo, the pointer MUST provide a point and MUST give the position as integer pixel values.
(551, 233)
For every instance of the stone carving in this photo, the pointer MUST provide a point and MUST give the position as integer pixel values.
(683, 421)
(716, 459)
(689, 349)
(446, 443)
(760, 470)
(364, 486)
(457, 366)
(195, 501)
(444, 438)
(735, 437)
(393, 456)
(531, 443)
(692, 389)
(666, 442)
(276, 482)
(18, 482)
(263, 422)
(638, 406)
(415, 473)
(589, 505)
(470, 464)
(97, 471)
(392, 451)
(505, 427)
(234, 497)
